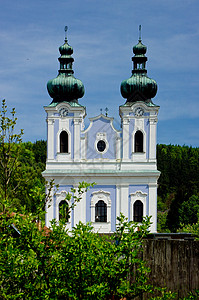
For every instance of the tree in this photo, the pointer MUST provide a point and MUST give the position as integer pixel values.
(189, 210)
(39, 149)
(9, 154)
(28, 176)
(190, 216)
(53, 264)
(82, 265)
(194, 229)
(179, 180)
(21, 165)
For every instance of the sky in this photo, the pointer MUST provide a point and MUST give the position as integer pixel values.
(102, 34)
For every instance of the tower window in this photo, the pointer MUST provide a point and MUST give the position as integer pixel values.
(100, 211)
(63, 142)
(138, 211)
(138, 141)
(64, 211)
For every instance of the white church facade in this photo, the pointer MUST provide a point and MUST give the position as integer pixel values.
(122, 163)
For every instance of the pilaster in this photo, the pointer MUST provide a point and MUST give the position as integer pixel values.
(153, 206)
(50, 144)
(49, 216)
(152, 137)
(125, 142)
(118, 201)
(124, 199)
(77, 127)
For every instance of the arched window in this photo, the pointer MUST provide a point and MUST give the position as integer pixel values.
(138, 211)
(64, 211)
(138, 141)
(100, 211)
(63, 142)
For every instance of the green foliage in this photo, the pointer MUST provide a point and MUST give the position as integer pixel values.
(39, 149)
(194, 229)
(21, 165)
(27, 176)
(55, 264)
(162, 221)
(9, 155)
(192, 296)
(179, 166)
(132, 269)
(164, 294)
(161, 205)
(179, 181)
(189, 210)
(167, 295)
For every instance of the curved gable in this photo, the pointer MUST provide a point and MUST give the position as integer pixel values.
(101, 132)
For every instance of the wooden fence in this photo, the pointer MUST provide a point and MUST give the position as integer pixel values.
(174, 264)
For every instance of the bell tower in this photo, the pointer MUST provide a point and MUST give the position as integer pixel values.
(65, 121)
(64, 114)
(139, 124)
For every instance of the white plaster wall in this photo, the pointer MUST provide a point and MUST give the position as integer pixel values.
(125, 142)
(80, 209)
(50, 138)
(124, 194)
(152, 138)
(153, 206)
(118, 201)
(77, 128)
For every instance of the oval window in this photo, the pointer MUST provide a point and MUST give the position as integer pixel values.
(101, 146)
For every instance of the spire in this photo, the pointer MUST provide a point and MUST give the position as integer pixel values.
(66, 60)
(66, 29)
(140, 28)
(139, 59)
(139, 87)
(65, 87)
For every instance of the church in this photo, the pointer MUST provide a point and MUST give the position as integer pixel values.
(122, 163)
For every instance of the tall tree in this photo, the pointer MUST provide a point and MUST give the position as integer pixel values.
(9, 154)
(179, 181)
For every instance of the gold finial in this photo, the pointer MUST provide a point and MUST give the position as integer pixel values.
(66, 29)
(140, 28)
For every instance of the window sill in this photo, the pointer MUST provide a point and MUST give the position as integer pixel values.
(63, 153)
(101, 223)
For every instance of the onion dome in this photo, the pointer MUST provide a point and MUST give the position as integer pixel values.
(65, 87)
(139, 87)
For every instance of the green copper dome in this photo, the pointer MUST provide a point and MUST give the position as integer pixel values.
(139, 87)
(65, 87)
(146, 86)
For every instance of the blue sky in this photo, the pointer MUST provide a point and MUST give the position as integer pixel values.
(102, 34)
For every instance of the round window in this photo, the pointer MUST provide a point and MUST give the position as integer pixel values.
(101, 146)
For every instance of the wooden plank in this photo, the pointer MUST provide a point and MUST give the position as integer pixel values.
(174, 264)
